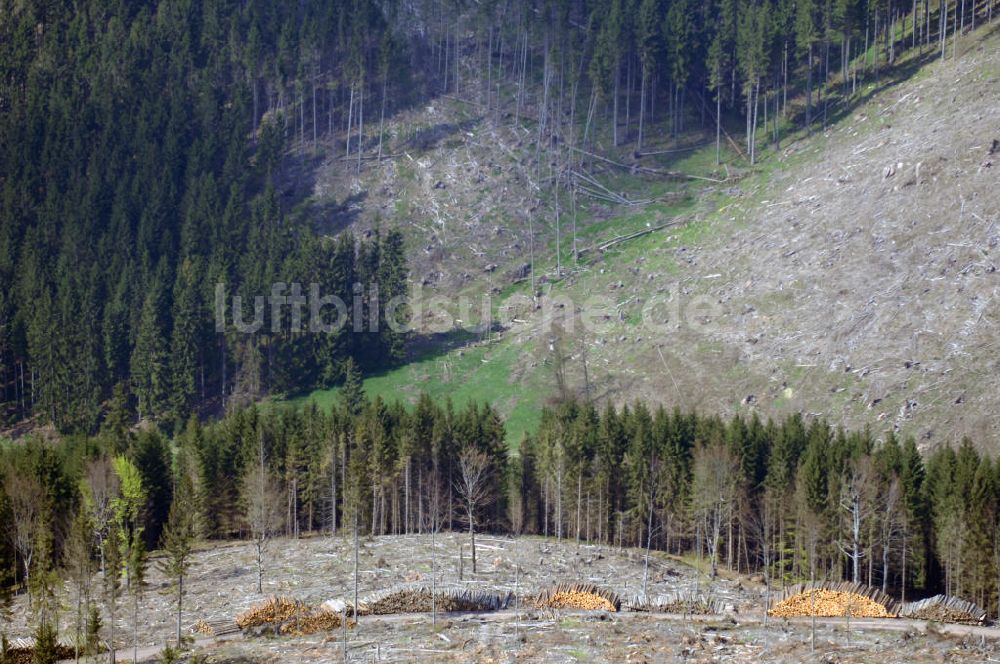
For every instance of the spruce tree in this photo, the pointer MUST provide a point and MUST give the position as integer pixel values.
(178, 539)
(150, 362)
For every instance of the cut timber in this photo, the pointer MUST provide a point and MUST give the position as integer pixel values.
(576, 596)
(639, 155)
(215, 627)
(697, 606)
(288, 616)
(420, 600)
(944, 608)
(834, 600)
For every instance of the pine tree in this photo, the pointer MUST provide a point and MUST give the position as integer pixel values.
(352, 393)
(178, 539)
(186, 342)
(150, 362)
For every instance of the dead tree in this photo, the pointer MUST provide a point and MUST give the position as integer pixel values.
(262, 511)
(25, 497)
(473, 488)
(714, 490)
(856, 505)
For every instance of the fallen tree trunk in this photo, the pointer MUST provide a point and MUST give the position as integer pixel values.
(631, 236)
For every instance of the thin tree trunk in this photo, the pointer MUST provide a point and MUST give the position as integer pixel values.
(381, 119)
(642, 107)
(718, 125)
(357, 547)
(350, 117)
(180, 601)
(614, 120)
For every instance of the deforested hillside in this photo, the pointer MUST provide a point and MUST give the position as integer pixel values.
(862, 281)
(849, 274)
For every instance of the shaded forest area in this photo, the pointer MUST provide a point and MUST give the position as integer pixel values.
(790, 500)
(144, 142)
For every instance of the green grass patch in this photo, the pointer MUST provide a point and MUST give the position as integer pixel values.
(482, 373)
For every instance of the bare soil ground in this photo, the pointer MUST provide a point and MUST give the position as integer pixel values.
(321, 568)
(222, 582)
(601, 637)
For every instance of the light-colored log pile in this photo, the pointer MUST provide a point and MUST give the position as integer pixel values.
(835, 600)
(419, 600)
(285, 615)
(944, 608)
(576, 596)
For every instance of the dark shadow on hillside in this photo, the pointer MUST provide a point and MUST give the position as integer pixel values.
(431, 345)
(419, 347)
(842, 107)
(332, 217)
(430, 137)
(295, 178)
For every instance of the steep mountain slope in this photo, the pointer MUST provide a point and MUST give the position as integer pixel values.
(851, 275)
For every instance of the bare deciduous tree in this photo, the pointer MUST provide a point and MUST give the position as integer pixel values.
(856, 504)
(101, 487)
(474, 488)
(24, 494)
(262, 507)
(890, 525)
(713, 493)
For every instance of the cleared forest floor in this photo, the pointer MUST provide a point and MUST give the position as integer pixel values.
(320, 568)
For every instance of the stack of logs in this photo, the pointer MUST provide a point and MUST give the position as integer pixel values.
(698, 606)
(419, 600)
(576, 596)
(288, 616)
(222, 627)
(835, 600)
(944, 608)
(22, 651)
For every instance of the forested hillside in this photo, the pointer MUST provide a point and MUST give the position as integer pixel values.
(791, 500)
(154, 150)
(141, 146)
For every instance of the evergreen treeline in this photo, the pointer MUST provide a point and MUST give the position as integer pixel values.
(142, 150)
(791, 500)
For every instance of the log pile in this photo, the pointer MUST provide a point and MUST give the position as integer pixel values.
(419, 600)
(839, 601)
(696, 606)
(576, 596)
(944, 608)
(22, 651)
(284, 615)
(215, 627)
